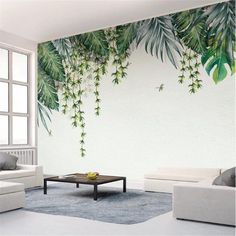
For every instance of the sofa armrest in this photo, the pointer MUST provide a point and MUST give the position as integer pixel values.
(28, 167)
(38, 172)
(204, 202)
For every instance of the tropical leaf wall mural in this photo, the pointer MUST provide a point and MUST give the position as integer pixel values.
(203, 37)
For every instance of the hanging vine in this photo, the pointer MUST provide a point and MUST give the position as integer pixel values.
(81, 65)
(72, 92)
(119, 59)
(190, 70)
(100, 69)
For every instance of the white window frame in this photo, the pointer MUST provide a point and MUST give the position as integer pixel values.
(10, 113)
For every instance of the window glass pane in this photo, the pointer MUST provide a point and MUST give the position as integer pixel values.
(3, 63)
(3, 96)
(3, 129)
(19, 67)
(19, 94)
(19, 130)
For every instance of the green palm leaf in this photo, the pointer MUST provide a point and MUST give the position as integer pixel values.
(63, 46)
(47, 93)
(217, 65)
(221, 20)
(125, 36)
(191, 29)
(221, 40)
(159, 37)
(50, 61)
(215, 62)
(43, 115)
(221, 23)
(95, 42)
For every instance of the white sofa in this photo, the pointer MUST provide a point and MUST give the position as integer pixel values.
(163, 179)
(29, 175)
(14, 182)
(205, 202)
(194, 196)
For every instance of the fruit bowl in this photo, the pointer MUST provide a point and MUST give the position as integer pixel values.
(92, 175)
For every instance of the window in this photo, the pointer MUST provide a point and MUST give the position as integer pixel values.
(14, 98)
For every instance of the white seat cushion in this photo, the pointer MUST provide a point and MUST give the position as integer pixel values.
(188, 178)
(183, 174)
(12, 174)
(208, 172)
(8, 187)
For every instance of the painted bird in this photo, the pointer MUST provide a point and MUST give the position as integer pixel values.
(160, 88)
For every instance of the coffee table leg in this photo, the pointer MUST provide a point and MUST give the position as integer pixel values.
(77, 185)
(124, 185)
(95, 192)
(45, 186)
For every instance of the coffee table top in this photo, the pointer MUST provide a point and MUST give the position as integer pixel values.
(82, 178)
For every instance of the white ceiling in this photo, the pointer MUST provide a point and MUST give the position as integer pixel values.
(43, 20)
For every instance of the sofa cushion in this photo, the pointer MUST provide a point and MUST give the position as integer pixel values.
(12, 174)
(7, 161)
(183, 174)
(187, 178)
(8, 187)
(206, 172)
(227, 178)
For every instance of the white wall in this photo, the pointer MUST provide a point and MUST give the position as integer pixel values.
(141, 129)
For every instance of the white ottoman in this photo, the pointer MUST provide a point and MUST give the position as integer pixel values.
(12, 196)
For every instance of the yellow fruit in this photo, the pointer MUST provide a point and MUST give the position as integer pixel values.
(92, 175)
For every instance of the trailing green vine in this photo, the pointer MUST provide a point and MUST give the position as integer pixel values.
(97, 79)
(82, 64)
(72, 93)
(100, 69)
(119, 59)
(190, 70)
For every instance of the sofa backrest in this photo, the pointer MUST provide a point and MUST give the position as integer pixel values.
(203, 172)
(224, 169)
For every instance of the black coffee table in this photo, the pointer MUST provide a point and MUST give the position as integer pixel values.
(78, 178)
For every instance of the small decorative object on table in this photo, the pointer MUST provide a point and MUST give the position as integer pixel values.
(92, 175)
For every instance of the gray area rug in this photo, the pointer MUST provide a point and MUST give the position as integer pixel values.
(112, 206)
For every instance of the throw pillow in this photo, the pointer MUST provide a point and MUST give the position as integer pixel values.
(227, 178)
(7, 161)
